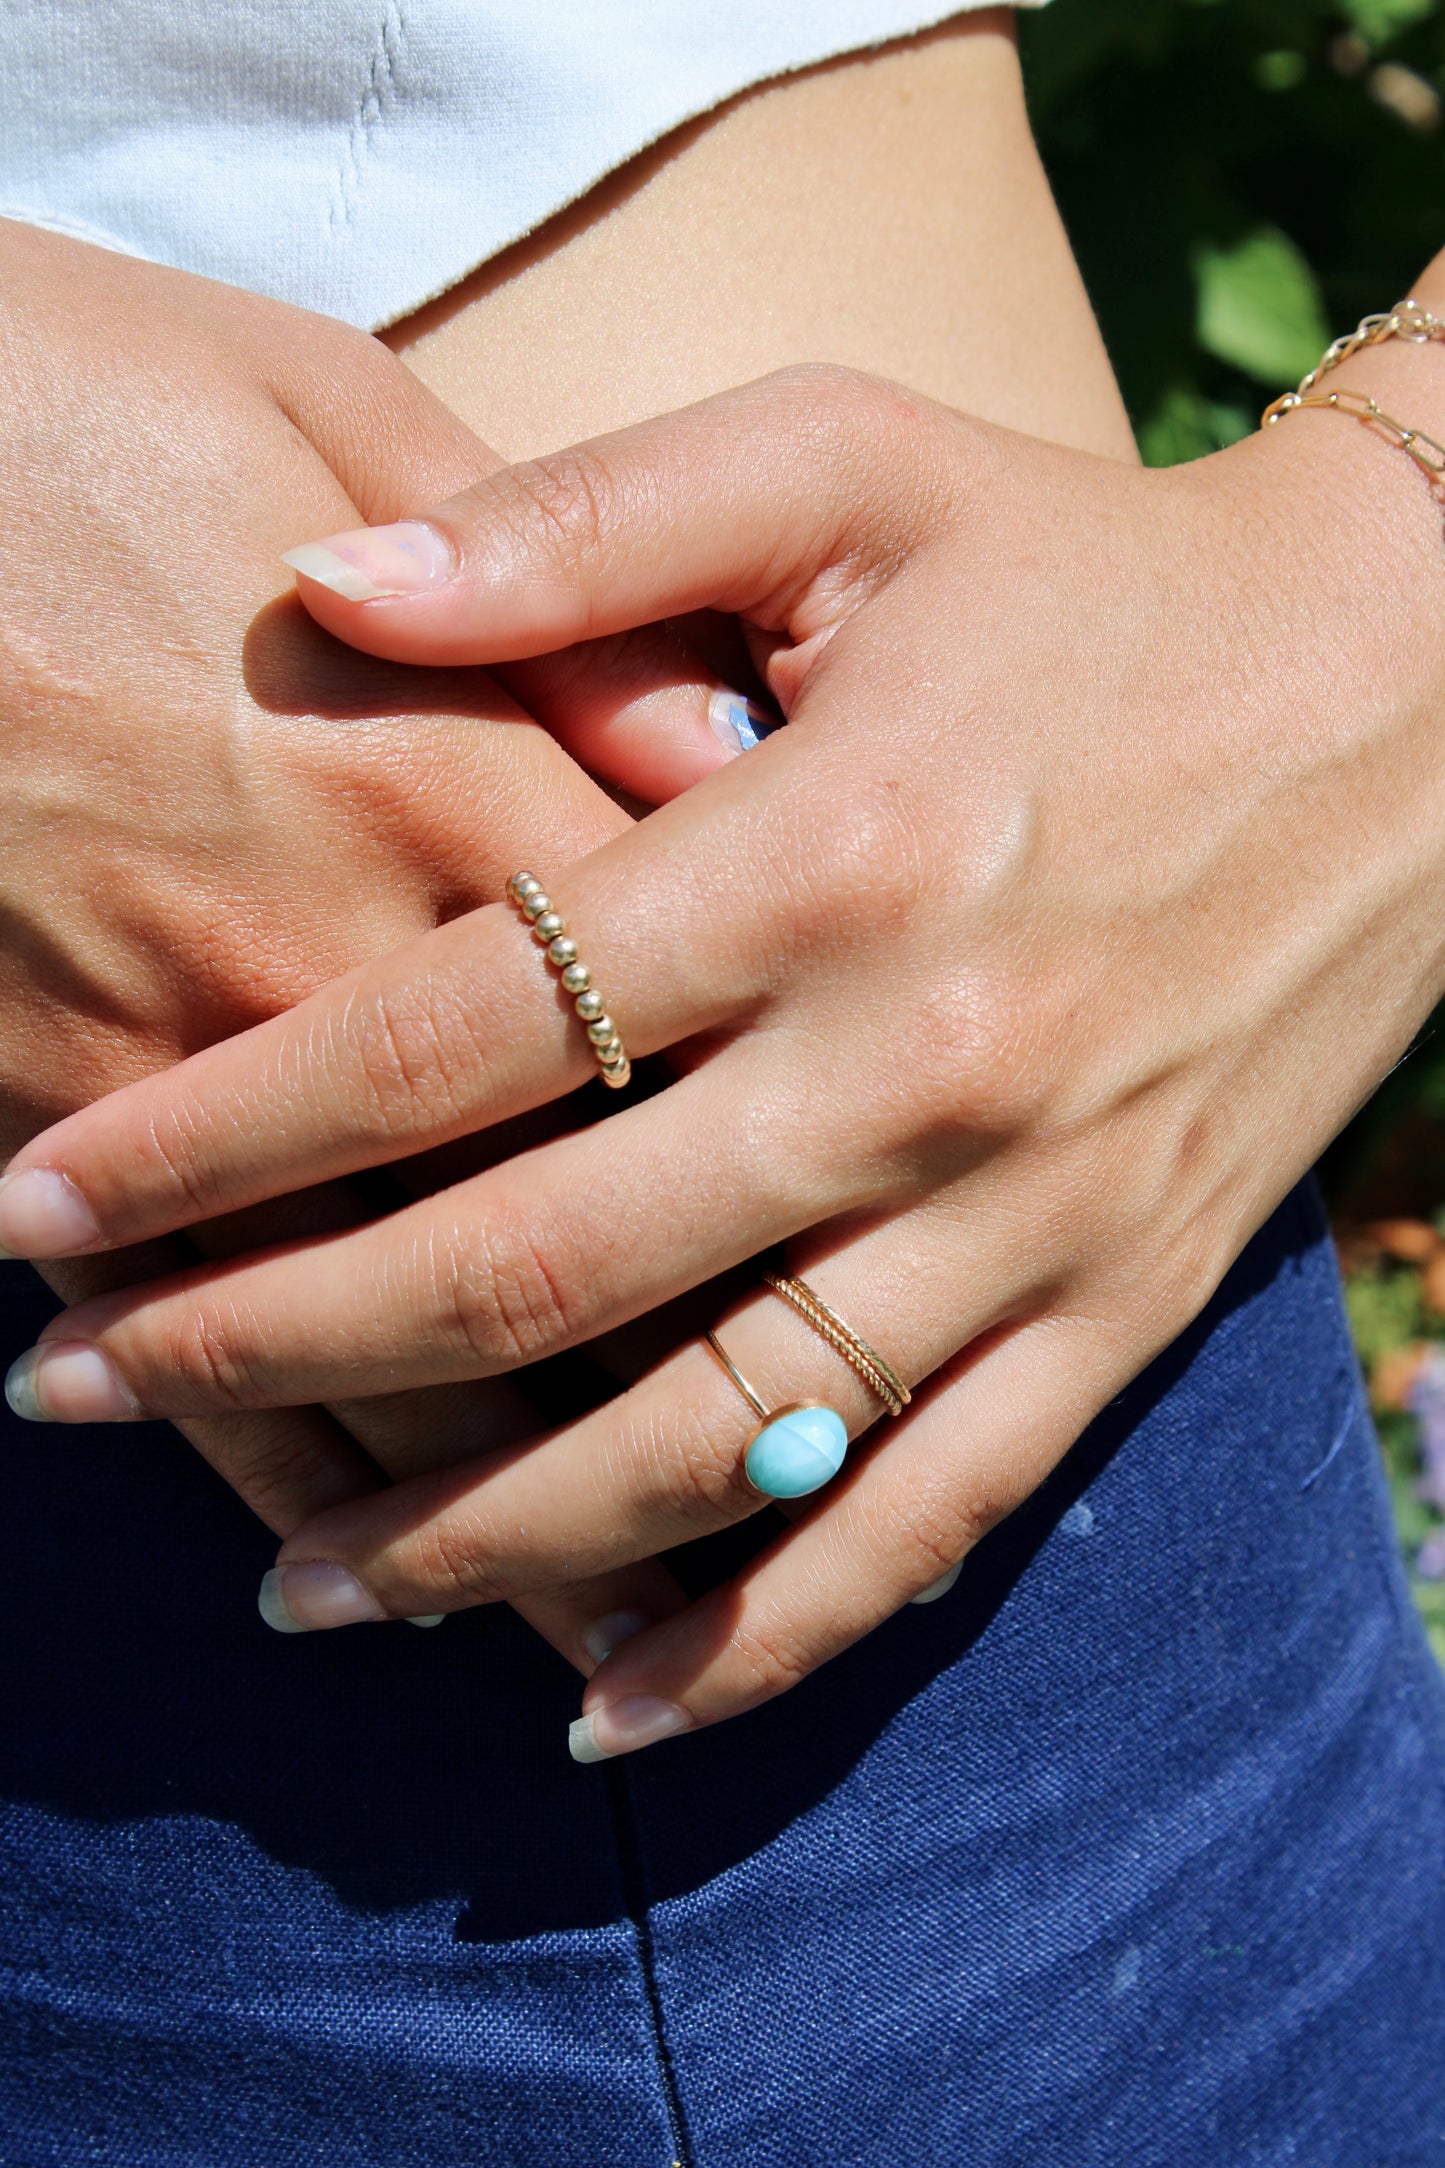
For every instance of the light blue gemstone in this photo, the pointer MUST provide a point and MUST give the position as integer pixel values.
(798, 1453)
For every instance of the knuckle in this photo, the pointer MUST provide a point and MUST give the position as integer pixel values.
(929, 1531)
(508, 1296)
(833, 400)
(452, 1557)
(774, 1654)
(206, 1349)
(936, 1541)
(867, 425)
(703, 1461)
(179, 1148)
(420, 1065)
(851, 864)
(570, 495)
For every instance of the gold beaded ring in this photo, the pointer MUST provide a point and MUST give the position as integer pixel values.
(880, 1377)
(548, 931)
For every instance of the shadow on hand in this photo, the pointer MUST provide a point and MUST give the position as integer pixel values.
(292, 667)
(402, 1767)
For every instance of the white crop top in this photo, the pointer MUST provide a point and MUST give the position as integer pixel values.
(360, 156)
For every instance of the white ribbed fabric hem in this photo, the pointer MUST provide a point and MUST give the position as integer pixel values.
(361, 156)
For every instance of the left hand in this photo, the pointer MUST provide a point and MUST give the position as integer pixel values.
(1015, 982)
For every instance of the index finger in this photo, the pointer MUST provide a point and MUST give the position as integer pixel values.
(460, 1029)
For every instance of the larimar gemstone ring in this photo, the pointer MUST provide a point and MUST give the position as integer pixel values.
(801, 1446)
(796, 1448)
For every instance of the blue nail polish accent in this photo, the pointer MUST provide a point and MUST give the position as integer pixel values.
(738, 723)
(798, 1451)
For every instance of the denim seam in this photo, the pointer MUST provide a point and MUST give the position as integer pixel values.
(629, 1853)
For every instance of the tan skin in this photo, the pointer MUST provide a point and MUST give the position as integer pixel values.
(768, 233)
(886, 212)
(1099, 873)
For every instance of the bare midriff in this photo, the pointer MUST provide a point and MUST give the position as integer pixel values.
(887, 212)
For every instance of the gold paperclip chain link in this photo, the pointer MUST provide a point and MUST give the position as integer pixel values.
(1407, 320)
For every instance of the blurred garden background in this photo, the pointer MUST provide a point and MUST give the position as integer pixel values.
(1242, 180)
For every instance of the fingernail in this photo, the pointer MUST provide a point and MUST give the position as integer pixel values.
(68, 1381)
(272, 1609)
(606, 1634)
(312, 1594)
(431, 1618)
(739, 723)
(621, 1726)
(935, 1589)
(42, 1214)
(405, 559)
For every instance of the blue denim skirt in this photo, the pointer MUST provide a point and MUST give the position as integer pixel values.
(1131, 1850)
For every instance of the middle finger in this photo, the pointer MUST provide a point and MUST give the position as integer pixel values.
(537, 1254)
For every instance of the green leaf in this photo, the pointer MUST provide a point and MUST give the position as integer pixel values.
(1380, 20)
(1280, 71)
(1186, 426)
(1258, 306)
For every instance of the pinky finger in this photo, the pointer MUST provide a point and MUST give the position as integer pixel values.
(973, 1448)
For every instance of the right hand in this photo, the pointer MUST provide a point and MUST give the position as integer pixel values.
(211, 807)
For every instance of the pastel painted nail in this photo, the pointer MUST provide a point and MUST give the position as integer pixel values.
(42, 1214)
(739, 723)
(608, 1633)
(374, 562)
(621, 1726)
(68, 1381)
(313, 1594)
(938, 1588)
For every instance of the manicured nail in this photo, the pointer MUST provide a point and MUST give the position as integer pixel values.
(42, 1214)
(312, 1594)
(272, 1609)
(68, 1381)
(739, 723)
(405, 559)
(621, 1726)
(935, 1589)
(606, 1634)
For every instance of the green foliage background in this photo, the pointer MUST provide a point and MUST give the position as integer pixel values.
(1242, 180)
(1236, 181)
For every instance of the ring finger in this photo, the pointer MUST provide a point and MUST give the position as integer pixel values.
(665, 1462)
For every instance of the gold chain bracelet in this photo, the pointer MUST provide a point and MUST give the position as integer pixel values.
(1407, 320)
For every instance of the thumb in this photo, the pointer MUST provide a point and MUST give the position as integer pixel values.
(783, 502)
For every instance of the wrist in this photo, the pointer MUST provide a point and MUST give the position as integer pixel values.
(1366, 479)
(1388, 377)
(1410, 372)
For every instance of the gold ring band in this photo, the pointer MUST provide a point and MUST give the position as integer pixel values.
(878, 1375)
(754, 1400)
(552, 937)
(796, 1448)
